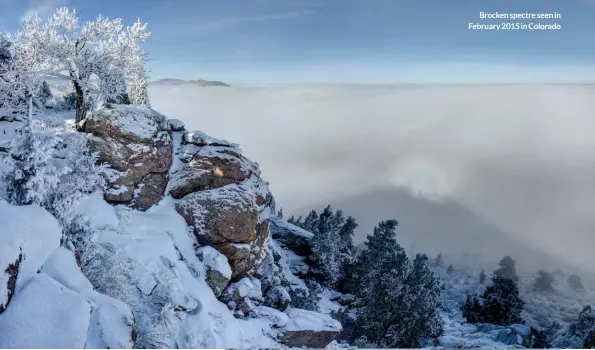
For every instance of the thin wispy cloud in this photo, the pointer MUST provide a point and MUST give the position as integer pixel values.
(42, 8)
(194, 26)
(232, 23)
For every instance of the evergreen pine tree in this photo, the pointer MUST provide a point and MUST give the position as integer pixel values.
(502, 304)
(471, 310)
(325, 246)
(439, 261)
(589, 341)
(537, 340)
(400, 298)
(482, 277)
(347, 255)
(423, 321)
(507, 269)
(311, 222)
(544, 282)
(384, 265)
(574, 281)
(31, 176)
(346, 234)
(280, 213)
(298, 222)
(450, 269)
(44, 93)
(291, 220)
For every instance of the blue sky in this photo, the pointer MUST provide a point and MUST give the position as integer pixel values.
(348, 41)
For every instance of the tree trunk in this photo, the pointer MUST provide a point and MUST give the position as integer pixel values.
(80, 102)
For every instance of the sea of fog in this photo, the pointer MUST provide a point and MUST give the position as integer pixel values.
(520, 156)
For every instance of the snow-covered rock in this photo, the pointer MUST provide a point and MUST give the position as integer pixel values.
(234, 220)
(45, 314)
(292, 237)
(176, 125)
(218, 271)
(309, 328)
(135, 142)
(209, 167)
(62, 267)
(277, 318)
(112, 324)
(199, 138)
(23, 249)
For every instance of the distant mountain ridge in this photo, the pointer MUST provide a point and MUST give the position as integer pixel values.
(200, 82)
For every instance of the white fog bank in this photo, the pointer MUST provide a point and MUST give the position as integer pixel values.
(523, 157)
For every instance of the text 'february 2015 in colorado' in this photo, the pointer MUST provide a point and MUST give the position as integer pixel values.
(523, 21)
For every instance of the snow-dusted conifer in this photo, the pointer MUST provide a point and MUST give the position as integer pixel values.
(482, 277)
(94, 57)
(384, 265)
(543, 282)
(311, 222)
(422, 319)
(31, 177)
(400, 299)
(507, 269)
(44, 93)
(326, 245)
(346, 234)
(80, 176)
(574, 281)
(502, 303)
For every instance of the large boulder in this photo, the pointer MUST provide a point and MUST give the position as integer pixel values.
(292, 237)
(209, 167)
(221, 196)
(31, 319)
(136, 144)
(23, 250)
(309, 329)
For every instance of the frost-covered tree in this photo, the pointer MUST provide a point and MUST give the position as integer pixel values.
(507, 269)
(574, 281)
(139, 92)
(450, 269)
(280, 213)
(544, 282)
(326, 246)
(423, 320)
(482, 277)
(400, 299)
(44, 93)
(95, 57)
(30, 176)
(291, 220)
(384, 269)
(347, 255)
(439, 260)
(17, 86)
(311, 222)
(307, 299)
(346, 233)
(80, 176)
(502, 304)
(471, 310)
(537, 340)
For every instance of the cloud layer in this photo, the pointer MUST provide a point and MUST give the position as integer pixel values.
(523, 157)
